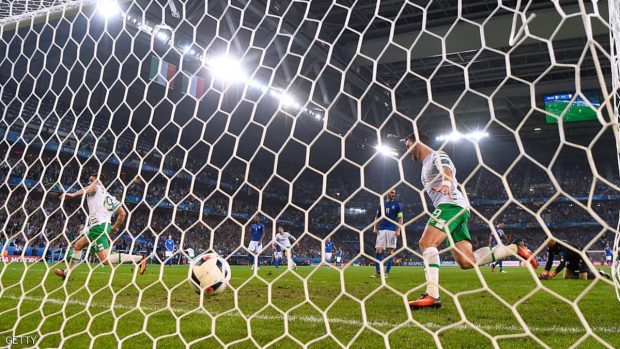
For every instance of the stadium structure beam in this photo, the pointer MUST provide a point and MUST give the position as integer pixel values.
(496, 31)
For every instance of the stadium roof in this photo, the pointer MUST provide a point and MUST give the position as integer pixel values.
(277, 47)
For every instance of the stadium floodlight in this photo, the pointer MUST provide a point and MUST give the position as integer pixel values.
(162, 35)
(385, 150)
(457, 136)
(108, 8)
(288, 100)
(226, 69)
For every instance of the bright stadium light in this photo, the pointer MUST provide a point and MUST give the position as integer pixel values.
(385, 150)
(288, 100)
(108, 8)
(226, 69)
(457, 136)
(476, 135)
(162, 35)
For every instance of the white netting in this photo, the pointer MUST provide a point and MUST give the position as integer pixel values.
(614, 20)
(294, 112)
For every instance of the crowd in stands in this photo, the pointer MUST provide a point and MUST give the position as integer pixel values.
(214, 204)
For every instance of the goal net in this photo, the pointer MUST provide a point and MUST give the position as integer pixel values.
(202, 119)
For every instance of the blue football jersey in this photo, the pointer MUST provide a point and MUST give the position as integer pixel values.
(393, 211)
(258, 230)
(169, 245)
(329, 247)
(500, 234)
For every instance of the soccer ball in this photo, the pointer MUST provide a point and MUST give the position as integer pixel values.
(209, 273)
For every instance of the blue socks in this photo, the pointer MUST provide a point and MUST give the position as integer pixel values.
(379, 257)
(388, 265)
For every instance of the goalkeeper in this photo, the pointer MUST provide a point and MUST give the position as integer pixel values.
(571, 263)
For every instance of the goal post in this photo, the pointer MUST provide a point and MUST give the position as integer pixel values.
(224, 126)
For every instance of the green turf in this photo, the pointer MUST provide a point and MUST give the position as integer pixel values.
(141, 311)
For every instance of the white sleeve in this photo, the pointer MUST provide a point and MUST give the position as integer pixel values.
(441, 159)
(291, 236)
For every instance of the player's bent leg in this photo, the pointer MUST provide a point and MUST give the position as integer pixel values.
(74, 256)
(463, 254)
(119, 258)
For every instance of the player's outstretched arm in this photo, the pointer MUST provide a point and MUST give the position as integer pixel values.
(88, 190)
(122, 214)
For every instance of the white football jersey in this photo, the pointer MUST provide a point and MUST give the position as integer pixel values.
(101, 206)
(431, 177)
(190, 252)
(283, 240)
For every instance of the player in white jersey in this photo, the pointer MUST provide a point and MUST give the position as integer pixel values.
(449, 218)
(101, 207)
(282, 241)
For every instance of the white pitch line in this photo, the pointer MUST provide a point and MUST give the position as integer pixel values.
(316, 319)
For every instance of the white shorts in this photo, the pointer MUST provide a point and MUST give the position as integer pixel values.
(168, 253)
(607, 258)
(386, 239)
(255, 247)
(328, 256)
(338, 259)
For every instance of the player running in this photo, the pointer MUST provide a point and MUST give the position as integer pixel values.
(169, 250)
(256, 242)
(283, 241)
(387, 232)
(101, 206)
(329, 250)
(571, 263)
(494, 242)
(450, 216)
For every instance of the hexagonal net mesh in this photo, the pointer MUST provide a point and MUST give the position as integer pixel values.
(200, 123)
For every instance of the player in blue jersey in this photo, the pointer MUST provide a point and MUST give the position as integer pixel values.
(339, 257)
(329, 250)
(609, 255)
(256, 242)
(494, 242)
(387, 231)
(169, 249)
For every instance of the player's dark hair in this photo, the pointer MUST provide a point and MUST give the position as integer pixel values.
(93, 175)
(421, 137)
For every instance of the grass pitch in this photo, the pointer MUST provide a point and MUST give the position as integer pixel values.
(318, 306)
